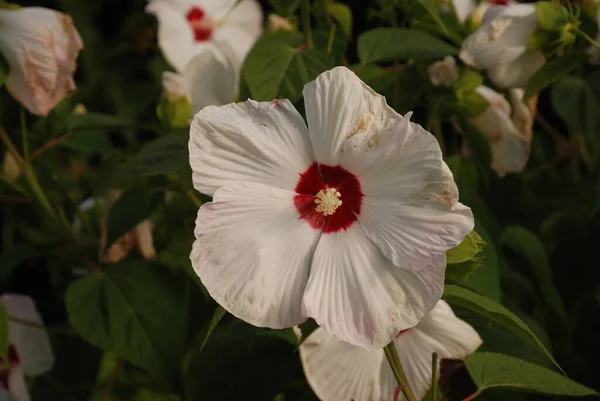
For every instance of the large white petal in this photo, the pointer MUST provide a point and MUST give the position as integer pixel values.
(212, 76)
(253, 253)
(261, 142)
(175, 36)
(338, 371)
(31, 343)
(410, 209)
(357, 294)
(516, 74)
(338, 106)
(440, 331)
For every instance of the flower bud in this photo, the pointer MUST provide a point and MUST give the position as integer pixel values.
(443, 72)
(278, 23)
(10, 166)
(175, 107)
(40, 46)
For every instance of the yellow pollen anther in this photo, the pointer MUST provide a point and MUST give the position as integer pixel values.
(328, 200)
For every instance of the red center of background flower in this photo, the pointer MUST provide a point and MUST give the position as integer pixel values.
(499, 2)
(201, 24)
(13, 359)
(320, 177)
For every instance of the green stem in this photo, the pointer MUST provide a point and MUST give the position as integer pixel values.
(587, 37)
(305, 14)
(24, 135)
(434, 379)
(331, 37)
(392, 357)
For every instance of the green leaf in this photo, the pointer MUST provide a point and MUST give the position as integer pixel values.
(342, 14)
(375, 76)
(134, 310)
(220, 312)
(551, 15)
(527, 244)
(4, 69)
(391, 44)
(553, 71)
(468, 81)
(431, 6)
(166, 154)
(462, 270)
(496, 312)
(575, 102)
(3, 333)
(465, 174)
(474, 103)
(541, 39)
(278, 66)
(466, 250)
(93, 121)
(94, 141)
(489, 370)
(131, 208)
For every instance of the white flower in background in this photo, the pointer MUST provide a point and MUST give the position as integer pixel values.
(346, 221)
(140, 237)
(443, 72)
(41, 47)
(338, 371)
(508, 129)
(210, 78)
(29, 350)
(499, 45)
(278, 23)
(463, 8)
(186, 27)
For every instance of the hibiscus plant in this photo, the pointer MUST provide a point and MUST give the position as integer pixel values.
(299, 200)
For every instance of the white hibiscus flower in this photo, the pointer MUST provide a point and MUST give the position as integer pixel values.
(346, 221)
(187, 27)
(500, 45)
(210, 78)
(41, 47)
(29, 351)
(443, 72)
(507, 129)
(338, 371)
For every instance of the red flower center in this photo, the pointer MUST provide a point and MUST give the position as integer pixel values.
(201, 24)
(328, 197)
(13, 359)
(499, 2)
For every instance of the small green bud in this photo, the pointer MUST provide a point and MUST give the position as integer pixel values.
(176, 112)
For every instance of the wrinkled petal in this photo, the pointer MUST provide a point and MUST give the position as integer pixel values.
(31, 343)
(255, 142)
(41, 47)
(212, 76)
(359, 296)
(440, 331)
(175, 37)
(516, 74)
(338, 371)
(338, 106)
(253, 254)
(410, 209)
(17, 386)
(510, 154)
(241, 27)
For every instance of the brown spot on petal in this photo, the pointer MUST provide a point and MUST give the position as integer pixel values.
(361, 125)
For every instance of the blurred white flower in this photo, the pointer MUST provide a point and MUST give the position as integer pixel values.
(41, 47)
(210, 78)
(346, 221)
(186, 27)
(278, 23)
(29, 350)
(464, 8)
(507, 129)
(338, 371)
(443, 72)
(499, 45)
